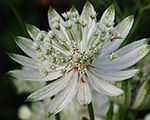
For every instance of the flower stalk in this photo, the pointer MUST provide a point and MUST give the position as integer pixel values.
(91, 111)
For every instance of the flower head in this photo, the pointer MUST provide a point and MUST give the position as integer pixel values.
(76, 52)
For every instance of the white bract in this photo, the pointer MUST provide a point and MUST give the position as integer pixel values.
(76, 52)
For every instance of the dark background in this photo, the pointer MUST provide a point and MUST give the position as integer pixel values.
(35, 12)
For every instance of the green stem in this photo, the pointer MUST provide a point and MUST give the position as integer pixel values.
(57, 116)
(122, 113)
(18, 16)
(91, 111)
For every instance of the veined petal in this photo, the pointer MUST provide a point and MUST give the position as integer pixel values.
(51, 89)
(122, 28)
(64, 98)
(33, 31)
(113, 75)
(132, 46)
(124, 50)
(33, 75)
(26, 45)
(102, 86)
(89, 15)
(84, 93)
(108, 16)
(74, 10)
(124, 59)
(26, 61)
(51, 15)
(88, 12)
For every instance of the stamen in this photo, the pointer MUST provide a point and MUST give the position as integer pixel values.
(113, 57)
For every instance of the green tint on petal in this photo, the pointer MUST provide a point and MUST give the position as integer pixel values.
(108, 16)
(33, 31)
(52, 14)
(88, 12)
(26, 61)
(124, 26)
(74, 10)
(141, 95)
(26, 45)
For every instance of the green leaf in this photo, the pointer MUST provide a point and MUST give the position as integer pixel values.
(109, 114)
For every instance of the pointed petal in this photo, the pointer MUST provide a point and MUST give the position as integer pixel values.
(52, 14)
(102, 86)
(127, 56)
(123, 28)
(84, 93)
(26, 45)
(88, 12)
(125, 49)
(113, 75)
(74, 10)
(65, 97)
(141, 95)
(33, 31)
(51, 89)
(32, 75)
(108, 16)
(26, 61)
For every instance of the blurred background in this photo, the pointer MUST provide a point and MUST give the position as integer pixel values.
(14, 13)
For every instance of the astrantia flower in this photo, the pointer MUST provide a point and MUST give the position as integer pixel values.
(76, 52)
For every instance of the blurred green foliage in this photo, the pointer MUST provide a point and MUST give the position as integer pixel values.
(14, 13)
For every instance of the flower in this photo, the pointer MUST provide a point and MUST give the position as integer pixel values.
(77, 51)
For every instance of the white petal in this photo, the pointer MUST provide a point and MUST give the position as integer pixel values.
(123, 28)
(64, 98)
(51, 14)
(113, 75)
(84, 93)
(88, 30)
(124, 49)
(102, 86)
(126, 57)
(26, 45)
(108, 15)
(88, 10)
(26, 61)
(33, 31)
(32, 75)
(51, 89)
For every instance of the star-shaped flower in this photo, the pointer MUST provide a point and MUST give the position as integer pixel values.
(76, 52)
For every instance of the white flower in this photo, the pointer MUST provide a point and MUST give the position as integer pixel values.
(78, 51)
